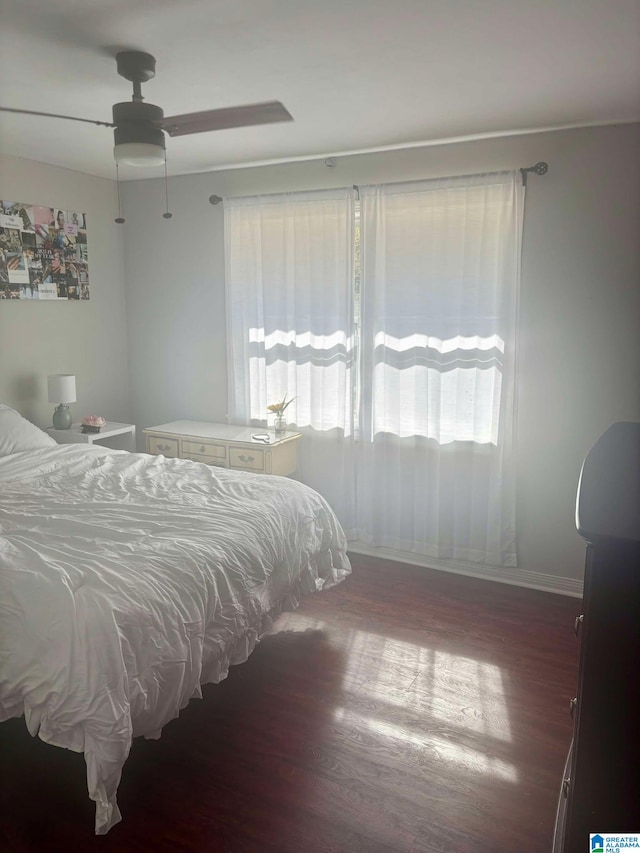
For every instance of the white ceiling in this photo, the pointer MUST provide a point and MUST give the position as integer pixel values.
(355, 74)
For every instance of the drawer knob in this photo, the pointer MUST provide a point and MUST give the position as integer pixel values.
(202, 449)
(572, 706)
(577, 624)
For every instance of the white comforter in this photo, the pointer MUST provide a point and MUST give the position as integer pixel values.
(128, 580)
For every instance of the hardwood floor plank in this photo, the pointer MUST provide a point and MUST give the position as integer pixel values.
(405, 711)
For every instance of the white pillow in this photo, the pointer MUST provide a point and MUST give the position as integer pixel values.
(17, 433)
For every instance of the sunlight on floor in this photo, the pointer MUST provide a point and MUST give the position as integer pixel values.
(395, 680)
(443, 750)
(449, 687)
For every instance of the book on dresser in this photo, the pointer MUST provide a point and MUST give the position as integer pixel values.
(226, 445)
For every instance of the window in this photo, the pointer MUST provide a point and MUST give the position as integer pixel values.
(386, 315)
(438, 296)
(290, 275)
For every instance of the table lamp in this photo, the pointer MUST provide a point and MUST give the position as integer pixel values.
(62, 390)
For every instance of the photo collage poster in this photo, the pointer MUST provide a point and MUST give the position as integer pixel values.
(43, 252)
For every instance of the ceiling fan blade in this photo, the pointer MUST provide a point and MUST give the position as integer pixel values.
(55, 115)
(245, 116)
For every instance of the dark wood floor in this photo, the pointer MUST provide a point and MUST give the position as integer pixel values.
(406, 710)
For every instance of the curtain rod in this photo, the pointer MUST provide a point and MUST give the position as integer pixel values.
(540, 168)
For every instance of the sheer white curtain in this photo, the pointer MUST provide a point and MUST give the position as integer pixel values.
(440, 273)
(289, 290)
(402, 369)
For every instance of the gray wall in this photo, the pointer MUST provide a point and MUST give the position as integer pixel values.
(87, 338)
(579, 357)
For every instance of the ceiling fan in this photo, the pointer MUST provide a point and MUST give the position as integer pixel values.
(139, 128)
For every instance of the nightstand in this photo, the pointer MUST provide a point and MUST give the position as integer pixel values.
(110, 430)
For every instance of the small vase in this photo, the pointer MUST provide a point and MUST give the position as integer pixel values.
(280, 424)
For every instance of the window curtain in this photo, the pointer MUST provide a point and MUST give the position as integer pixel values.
(440, 280)
(400, 357)
(289, 292)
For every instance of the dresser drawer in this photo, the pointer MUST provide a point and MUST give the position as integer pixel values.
(249, 459)
(208, 460)
(204, 451)
(159, 444)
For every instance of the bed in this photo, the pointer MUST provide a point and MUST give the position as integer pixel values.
(127, 581)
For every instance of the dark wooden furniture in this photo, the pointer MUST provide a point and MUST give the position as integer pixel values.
(601, 786)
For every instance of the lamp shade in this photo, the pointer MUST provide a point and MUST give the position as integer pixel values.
(62, 388)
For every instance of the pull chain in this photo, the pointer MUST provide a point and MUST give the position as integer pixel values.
(120, 218)
(166, 215)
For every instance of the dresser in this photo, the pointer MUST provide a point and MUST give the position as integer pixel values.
(226, 446)
(600, 789)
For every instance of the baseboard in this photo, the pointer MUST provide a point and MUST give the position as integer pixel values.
(514, 577)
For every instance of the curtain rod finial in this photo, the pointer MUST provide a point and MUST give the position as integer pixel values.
(540, 168)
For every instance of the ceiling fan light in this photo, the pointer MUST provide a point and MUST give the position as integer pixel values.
(138, 154)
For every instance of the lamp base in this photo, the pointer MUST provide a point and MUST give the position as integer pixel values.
(62, 417)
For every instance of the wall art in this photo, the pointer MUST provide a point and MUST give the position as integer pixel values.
(43, 252)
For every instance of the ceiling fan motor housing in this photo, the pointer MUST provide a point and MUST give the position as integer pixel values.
(137, 121)
(136, 66)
